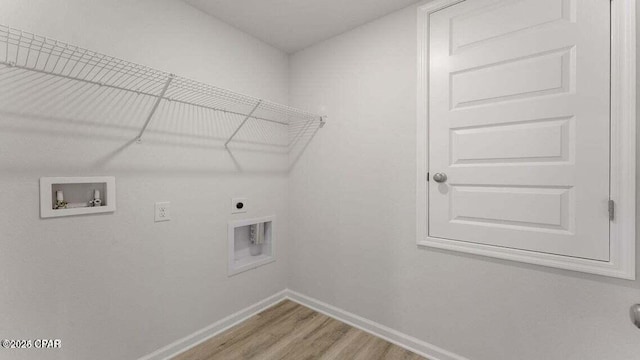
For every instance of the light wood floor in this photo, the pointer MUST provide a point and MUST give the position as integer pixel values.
(291, 331)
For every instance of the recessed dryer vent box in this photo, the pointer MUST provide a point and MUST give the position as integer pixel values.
(251, 243)
(67, 196)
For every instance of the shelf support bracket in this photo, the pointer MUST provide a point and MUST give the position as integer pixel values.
(242, 123)
(155, 107)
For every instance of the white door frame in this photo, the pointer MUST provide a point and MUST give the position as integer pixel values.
(622, 233)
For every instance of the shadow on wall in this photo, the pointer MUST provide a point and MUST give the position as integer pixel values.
(62, 109)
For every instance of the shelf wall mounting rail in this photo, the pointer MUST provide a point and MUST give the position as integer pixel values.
(23, 51)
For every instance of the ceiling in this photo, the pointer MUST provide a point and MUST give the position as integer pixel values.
(292, 25)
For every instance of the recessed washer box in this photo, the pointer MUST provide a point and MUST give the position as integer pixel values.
(79, 195)
(251, 243)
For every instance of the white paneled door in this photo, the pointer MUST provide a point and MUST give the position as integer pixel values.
(519, 124)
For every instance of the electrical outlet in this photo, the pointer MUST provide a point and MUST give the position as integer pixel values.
(239, 205)
(163, 212)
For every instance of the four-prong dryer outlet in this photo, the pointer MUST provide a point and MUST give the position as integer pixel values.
(239, 205)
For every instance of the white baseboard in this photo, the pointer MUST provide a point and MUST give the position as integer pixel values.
(415, 345)
(410, 343)
(214, 329)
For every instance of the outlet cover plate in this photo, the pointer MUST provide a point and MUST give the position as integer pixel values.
(236, 208)
(163, 211)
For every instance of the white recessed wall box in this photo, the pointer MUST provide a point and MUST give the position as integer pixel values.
(251, 243)
(67, 196)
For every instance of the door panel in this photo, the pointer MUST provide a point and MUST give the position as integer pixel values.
(502, 206)
(544, 140)
(519, 122)
(493, 21)
(534, 75)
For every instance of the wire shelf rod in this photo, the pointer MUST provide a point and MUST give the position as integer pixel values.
(242, 123)
(155, 107)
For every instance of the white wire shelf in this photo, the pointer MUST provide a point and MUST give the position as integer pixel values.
(26, 51)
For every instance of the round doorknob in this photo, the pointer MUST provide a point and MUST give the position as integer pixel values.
(439, 177)
(635, 315)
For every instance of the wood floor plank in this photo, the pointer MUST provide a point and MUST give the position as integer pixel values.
(239, 332)
(347, 342)
(289, 331)
(286, 344)
(354, 347)
(261, 341)
(316, 342)
(374, 349)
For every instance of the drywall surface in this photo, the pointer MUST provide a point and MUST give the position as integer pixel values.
(352, 224)
(119, 286)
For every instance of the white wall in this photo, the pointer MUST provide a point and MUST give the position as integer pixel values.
(353, 224)
(119, 286)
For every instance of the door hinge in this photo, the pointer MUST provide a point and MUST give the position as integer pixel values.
(611, 210)
(427, 176)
